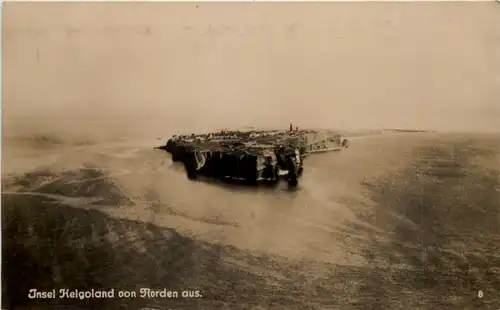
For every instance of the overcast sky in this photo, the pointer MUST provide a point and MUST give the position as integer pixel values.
(427, 65)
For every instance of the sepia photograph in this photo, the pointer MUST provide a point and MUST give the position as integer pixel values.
(250, 155)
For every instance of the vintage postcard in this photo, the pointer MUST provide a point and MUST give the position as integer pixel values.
(250, 155)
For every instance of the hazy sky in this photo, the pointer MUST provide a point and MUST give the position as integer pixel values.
(430, 65)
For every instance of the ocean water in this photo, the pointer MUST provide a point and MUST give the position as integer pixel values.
(396, 221)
